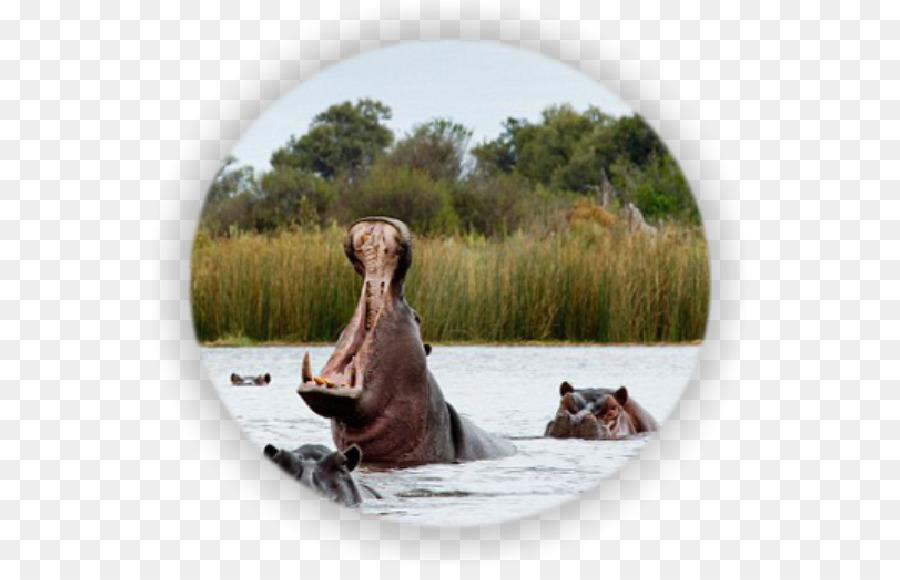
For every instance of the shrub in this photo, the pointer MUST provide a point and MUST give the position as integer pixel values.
(407, 194)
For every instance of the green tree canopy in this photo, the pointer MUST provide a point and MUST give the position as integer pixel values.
(567, 150)
(290, 197)
(344, 139)
(231, 181)
(408, 194)
(657, 187)
(632, 137)
(491, 205)
(527, 178)
(437, 147)
(499, 155)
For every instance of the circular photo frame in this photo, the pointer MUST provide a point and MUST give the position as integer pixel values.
(450, 283)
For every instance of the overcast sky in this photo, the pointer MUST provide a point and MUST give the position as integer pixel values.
(478, 84)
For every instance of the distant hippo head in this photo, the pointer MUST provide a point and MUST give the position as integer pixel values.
(598, 414)
(264, 379)
(325, 471)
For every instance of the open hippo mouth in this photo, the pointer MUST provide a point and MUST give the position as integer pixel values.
(376, 387)
(380, 250)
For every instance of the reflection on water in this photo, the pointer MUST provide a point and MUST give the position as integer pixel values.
(509, 391)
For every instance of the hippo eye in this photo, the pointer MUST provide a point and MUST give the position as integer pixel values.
(329, 488)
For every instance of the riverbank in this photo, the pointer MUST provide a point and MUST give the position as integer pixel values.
(597, 286)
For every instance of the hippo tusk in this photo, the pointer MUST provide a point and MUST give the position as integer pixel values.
(306, 371)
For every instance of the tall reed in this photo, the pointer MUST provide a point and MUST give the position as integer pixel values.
(599, 285)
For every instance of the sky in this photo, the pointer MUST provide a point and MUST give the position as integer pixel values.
(477, 84)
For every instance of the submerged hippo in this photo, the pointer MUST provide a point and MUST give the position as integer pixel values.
(237, 379)
(598, 414)
(376, 387)
(323, 470)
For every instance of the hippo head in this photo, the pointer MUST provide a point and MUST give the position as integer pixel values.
(380, 353)
(597, 414)
(318, 468)
(263, 379)
(376, 387)
(615, 421)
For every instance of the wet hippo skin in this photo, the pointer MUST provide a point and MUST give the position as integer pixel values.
(598, 414)
(325, 471)
(376, 387)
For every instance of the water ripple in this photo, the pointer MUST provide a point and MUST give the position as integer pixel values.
(510, 391)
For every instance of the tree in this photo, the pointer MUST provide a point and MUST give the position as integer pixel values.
(289, 197)
(229, 214)
(230, 181)
(491, 205)
(499, 155)
(407, 194)
(658, 188)
(344, 139)
(632, 137)
(438, 148)
(567, 150)
(230, 197)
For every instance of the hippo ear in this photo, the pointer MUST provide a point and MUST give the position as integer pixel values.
(622, 395)
(564, 388)
(270, 450)
(427, 349)
(268, 378)
(354, 456)
(337, 460)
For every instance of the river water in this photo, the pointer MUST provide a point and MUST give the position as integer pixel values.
(509, 391)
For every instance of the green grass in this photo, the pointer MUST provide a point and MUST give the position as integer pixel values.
(586, 285)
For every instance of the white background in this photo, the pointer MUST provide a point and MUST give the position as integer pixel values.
(117, 459)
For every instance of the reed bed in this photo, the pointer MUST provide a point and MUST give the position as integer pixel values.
(597, 285)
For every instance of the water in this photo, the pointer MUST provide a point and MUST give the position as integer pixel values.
(509, 391)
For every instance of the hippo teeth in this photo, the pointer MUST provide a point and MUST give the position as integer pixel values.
(306, 371)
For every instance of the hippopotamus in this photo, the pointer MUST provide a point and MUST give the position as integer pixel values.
(598, 414)
(376, 387)
(237, 379)
(321, 469)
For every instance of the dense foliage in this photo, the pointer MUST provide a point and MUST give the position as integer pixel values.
(528, 178)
